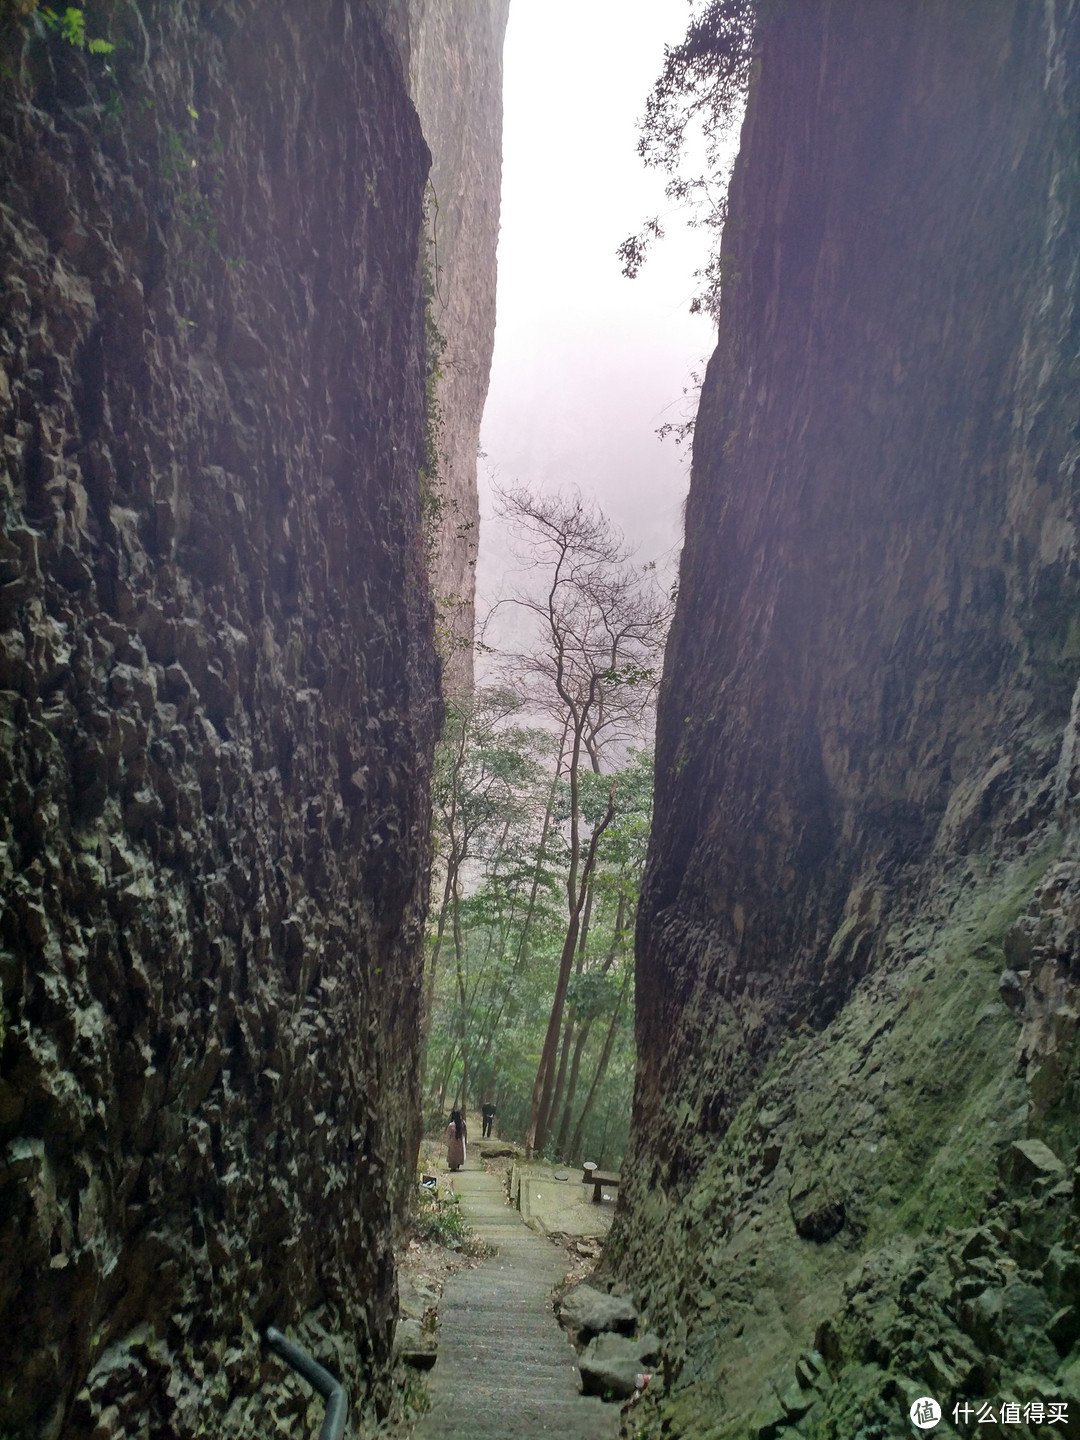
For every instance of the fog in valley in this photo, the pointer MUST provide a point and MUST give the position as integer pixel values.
(588, 364)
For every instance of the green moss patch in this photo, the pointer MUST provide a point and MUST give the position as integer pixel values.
(836, 1213)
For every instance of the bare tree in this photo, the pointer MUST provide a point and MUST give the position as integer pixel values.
(598, 628)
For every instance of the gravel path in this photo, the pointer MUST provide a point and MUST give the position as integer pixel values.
(506, 1370)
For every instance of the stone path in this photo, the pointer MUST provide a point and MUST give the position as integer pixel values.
(506, 1370)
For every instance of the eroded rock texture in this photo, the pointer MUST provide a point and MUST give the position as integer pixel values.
(867, 759)
(455, 69)
(218, 698)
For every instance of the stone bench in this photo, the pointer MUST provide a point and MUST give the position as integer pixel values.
(598, 1179)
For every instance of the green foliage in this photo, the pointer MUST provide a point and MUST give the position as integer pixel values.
(593, 995)
(190, 163)
(540, 843)
(70, 25)
(703, 82)
(440, 1221)
(705, 77)
(511, 927)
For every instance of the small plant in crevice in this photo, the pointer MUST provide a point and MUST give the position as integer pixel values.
(440, 1221)
(70, 25)
(179, 168)
(191, 166)
(450, 610)
(683, 430)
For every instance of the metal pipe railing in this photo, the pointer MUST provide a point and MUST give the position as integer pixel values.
(332, 1391)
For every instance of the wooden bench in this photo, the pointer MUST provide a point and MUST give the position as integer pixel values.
(598, 1179)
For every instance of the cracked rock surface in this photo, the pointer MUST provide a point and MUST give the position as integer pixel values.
(859, 930)
(218, 700)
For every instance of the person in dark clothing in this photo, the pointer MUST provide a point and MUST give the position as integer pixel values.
(488, 1112)
(456, 1135)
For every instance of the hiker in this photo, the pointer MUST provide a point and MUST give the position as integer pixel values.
(488, 1112)
(455, 1141)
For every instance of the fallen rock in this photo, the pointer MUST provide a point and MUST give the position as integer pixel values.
(797, 1401)
(499, 1149)
(810, 1370)
(768, 1421)
(817, 1213)
(1026, 1161)
(588, 1248)
(586, 1312)
(611, 1365)
(414, 1346)
(1011, 990)
(1064, 1328)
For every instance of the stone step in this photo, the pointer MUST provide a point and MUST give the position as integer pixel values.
(505, 1368)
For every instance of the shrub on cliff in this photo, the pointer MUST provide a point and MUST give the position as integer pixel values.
(703, 82)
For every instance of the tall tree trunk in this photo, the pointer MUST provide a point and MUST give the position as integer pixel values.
(448, 1073)
(540, 1104)
(564, 1062)
(609, 960)
(568, 1032)
(432, 967)
(605, 1056)
(545, 831)
(463, 997)
(579, 1050)
(545, 1075)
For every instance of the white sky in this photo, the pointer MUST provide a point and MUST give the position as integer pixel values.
(587, 363)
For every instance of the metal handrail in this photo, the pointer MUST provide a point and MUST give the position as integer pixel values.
(332, 1391)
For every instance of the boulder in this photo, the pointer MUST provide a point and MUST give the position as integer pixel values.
(612, 1364)
(768, 1420)
(1026, 1161)
(586, 1312)
(797, 1401)
(414, 1346)
(498, 1149)
(1064, 1328)
(816, 1210)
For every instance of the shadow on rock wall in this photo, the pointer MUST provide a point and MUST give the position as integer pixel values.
(866, 769)
(218, 699)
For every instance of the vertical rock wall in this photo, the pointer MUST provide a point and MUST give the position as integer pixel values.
(866, 747)
(218, 700)
(455, 69)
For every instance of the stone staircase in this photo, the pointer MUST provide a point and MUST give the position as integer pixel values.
(505, 1369)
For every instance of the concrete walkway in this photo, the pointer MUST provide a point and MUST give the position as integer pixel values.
(505, 1370)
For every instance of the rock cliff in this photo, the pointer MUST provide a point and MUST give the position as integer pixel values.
(855, 1120)
(218, 702)
(454, 51)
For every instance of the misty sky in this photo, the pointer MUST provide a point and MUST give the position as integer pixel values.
(588, 364)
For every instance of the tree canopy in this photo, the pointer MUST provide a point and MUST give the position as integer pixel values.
(703, 81)
(542, 805)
